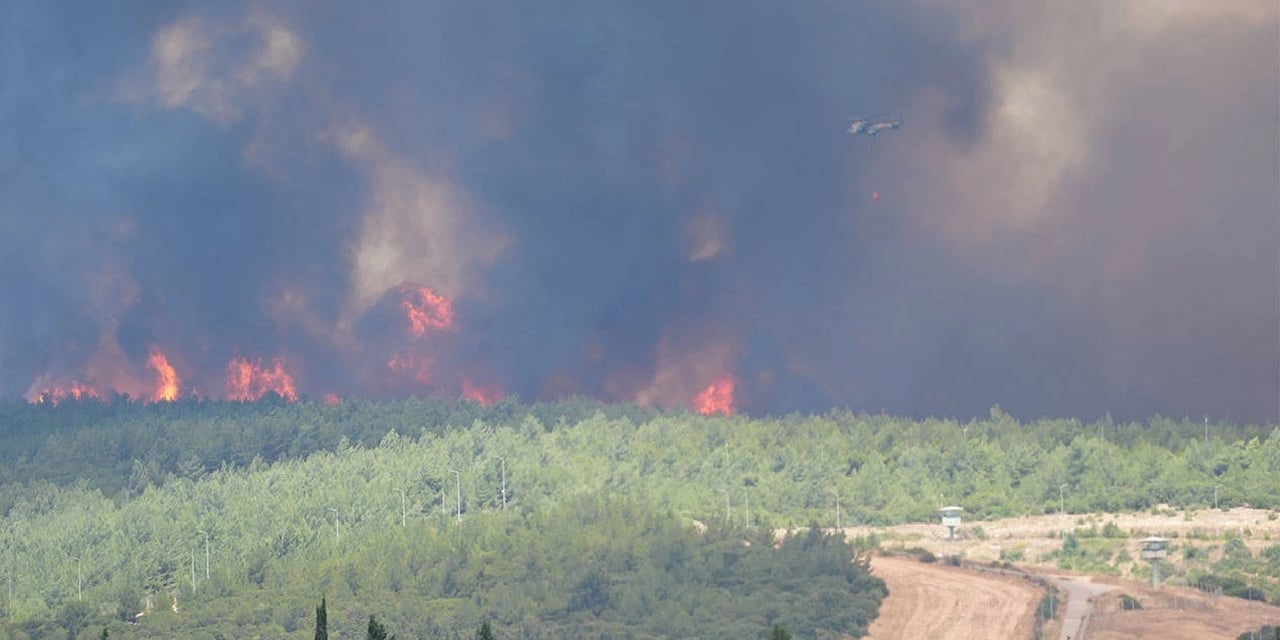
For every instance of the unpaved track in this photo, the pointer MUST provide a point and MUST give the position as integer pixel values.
(937, 602)
(1080, 594)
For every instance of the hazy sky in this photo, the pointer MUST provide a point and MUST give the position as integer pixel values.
(633, 200)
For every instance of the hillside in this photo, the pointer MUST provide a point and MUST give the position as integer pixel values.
(398, 509)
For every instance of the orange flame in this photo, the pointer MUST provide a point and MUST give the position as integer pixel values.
(717, 398)
(74, 390)
(483, 394)
(332, 399)
(167, 382)
(425, 309)
(408, 363)
(248, 381)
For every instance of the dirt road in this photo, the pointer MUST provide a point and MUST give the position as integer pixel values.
(947, 603)
(1080, 593)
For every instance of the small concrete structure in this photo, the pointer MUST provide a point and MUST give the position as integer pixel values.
(1154, 550)
(951, 519)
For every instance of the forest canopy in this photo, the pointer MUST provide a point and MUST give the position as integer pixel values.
(573, 517)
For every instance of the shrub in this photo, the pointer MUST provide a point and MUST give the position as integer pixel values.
(1091, 532)
(1050, 605)
(1070, 545)
(1232, 585)
(1234, 547)
(1129, 603)
(1011, 555)
(1267, 632)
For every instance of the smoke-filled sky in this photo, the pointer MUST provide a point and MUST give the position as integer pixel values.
(648, 201)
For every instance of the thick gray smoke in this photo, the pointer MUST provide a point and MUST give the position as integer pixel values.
(634, 201)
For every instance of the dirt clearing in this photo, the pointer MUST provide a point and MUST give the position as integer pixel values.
(949, 603)
(1175, 613)
(1257, 528)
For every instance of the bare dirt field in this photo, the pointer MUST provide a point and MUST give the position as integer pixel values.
(1176, 613)
(1258, 528)
(939, 601)
(948, 603)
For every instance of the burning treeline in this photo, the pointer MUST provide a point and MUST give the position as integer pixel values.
(407, 335)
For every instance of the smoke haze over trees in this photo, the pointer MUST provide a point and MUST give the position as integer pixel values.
(648, 202)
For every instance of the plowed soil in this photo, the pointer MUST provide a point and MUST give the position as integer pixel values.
(948, 603)
(1175, 613)
(939, 601)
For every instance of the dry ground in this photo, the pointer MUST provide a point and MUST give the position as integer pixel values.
(947, 603)
(1176, 613)
(939, 601)
(935, 600)
(1031, 534)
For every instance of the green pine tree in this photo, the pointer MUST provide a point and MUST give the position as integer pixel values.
(485, 632)
(322, 621)
(779, 633)
(377, 631)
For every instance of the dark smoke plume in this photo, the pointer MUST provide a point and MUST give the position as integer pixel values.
(633, 200)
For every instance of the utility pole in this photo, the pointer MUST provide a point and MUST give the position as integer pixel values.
(79, 582)
(1062, 501)
(1215, 496)
(193, 568)
(1251, 631)
(1206, 429)
(457, 478)
(337, 536)
(206, 553)
(504, 481)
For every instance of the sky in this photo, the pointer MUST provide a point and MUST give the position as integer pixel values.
(648, 202)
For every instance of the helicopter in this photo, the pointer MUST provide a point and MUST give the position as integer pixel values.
(872, 126)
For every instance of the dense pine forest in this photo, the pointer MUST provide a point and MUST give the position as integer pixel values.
(573, 519)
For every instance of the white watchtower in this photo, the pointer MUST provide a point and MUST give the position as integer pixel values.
(1154, 550)
(951, 520)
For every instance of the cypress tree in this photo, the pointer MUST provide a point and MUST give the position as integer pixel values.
(322, 621)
